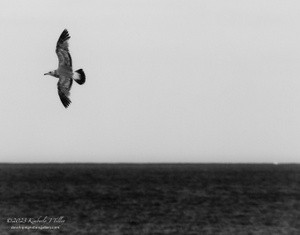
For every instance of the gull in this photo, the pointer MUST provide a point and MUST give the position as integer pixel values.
(65, 73)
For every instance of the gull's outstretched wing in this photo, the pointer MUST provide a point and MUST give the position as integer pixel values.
(62, 51)
(64, 86)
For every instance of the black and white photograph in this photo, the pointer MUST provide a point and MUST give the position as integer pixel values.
(149, 117)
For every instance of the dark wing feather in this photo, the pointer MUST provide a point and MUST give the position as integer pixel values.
(64, 86)
(62, 51)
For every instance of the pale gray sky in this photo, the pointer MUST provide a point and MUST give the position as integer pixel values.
(167, 81)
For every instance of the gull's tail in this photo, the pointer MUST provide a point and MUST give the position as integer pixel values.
(79, 76)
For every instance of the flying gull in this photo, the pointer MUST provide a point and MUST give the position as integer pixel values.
(65, 73)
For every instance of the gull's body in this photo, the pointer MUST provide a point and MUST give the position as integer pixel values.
(64, 72)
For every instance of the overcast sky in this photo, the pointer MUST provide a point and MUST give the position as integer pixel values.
(167, 81)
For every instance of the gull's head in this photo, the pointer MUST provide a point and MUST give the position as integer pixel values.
(52, 73)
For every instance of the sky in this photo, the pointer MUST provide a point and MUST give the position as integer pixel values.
(167, 81)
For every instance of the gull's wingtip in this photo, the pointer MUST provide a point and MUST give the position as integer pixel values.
(64, 36)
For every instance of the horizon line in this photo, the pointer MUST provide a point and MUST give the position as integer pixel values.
(149, 163)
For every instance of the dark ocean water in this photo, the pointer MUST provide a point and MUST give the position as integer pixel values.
(149, 199)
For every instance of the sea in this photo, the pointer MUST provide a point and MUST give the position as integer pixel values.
(139, 199)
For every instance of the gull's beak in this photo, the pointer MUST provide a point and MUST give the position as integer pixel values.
(46, 73)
